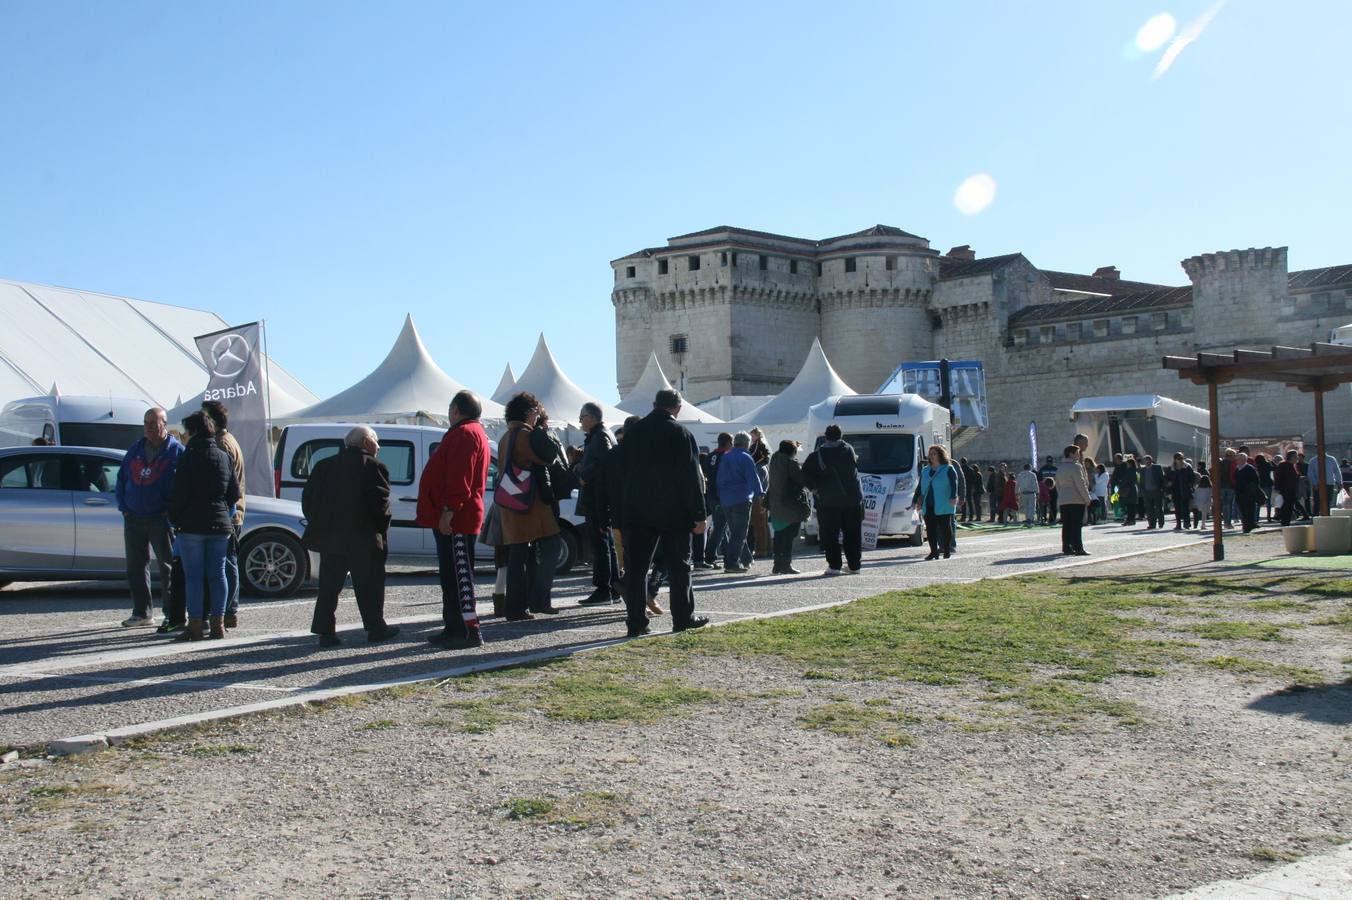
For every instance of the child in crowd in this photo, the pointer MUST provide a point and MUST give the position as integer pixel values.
(1201, 502)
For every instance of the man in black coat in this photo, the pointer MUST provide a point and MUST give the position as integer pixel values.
(347, 504)
(663, 501)
(591, 472)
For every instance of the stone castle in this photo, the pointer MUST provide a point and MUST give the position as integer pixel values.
(730, 311)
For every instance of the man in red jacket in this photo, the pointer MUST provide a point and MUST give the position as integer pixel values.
(451, 503)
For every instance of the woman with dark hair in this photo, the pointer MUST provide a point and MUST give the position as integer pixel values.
(201, 505)
(535, 523)
(787, 501)
(936, 495)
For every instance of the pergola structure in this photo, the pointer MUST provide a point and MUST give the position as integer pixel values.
(1316, 370)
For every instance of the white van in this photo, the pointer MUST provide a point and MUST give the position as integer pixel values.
(112, 422)
(404, 449)
(891, 433)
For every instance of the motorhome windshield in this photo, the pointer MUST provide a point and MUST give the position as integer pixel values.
(100, 434)
(889, 453)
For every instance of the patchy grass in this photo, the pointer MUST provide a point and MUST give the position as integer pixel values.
(591, 696)
(223, 750)
(49, 797)
(1256, 667)
(870, 720)
(1277, 606)
(1238, 631)
(587, 809)
(377, 725)
(1268, 854)
(477, 716)
(1340, 619)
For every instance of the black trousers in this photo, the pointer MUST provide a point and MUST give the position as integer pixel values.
(973, 510)
(1154, 508)
(1288, 507)
(1182, 510)
(1248, 513)
(605, 568)
(140, 535)
(640, 542)
(835, 521)
(939, 533)
(784, 539)
(1072, 522)
(368, 583)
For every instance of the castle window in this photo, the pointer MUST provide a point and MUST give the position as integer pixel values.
(1073, 331)
(1100, 328)
(819, 270)
(630, 271)
(764, 262)
(891, 263)
(849, 264)
(1185, 318)
(661, 267)
(680, 344)
(723, 258)
(693, 263)
(1020, 337)
(1159, 321)
(793, 267)
(1128, 324)
(1046, 334)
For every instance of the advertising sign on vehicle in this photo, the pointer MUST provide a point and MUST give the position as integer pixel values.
(875, 489)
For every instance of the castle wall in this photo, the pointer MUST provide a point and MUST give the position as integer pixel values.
(875, 317)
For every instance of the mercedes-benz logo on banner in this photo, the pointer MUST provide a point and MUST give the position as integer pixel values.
(229, 355)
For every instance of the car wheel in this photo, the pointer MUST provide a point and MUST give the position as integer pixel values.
(272, 564)
(569, 550)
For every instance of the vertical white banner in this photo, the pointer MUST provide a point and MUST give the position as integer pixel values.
(875, 489)
(1032, 443)
(235, 378)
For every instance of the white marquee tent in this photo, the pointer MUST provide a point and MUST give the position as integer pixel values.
(639, 400)
(815, 381)
(504, 389)
(406, 387)
(556, 391)
(91, 344)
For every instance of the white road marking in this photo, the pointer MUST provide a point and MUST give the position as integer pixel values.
(172, 682)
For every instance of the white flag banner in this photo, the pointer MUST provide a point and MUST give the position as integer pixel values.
(875, 489)
(234, 361)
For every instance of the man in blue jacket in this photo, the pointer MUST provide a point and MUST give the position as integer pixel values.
(738, 485)
(143, 484)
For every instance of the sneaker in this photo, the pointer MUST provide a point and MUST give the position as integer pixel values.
(167, 627)
(789, 570)
(856, 571)
(833, 572)
(132, 621)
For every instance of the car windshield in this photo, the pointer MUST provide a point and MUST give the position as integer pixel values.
(100, 434)
(888, 453)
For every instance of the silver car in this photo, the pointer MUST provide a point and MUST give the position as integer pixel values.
(59, 521)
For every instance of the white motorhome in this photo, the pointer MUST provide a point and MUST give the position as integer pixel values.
(891, 433)
(112, 422)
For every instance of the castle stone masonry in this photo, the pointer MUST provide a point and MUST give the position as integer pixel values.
(732, 311)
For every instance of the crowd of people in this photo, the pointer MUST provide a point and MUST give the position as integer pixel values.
(655, 508)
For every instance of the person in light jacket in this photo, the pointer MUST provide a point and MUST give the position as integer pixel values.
(1073, 497)
(938, 492)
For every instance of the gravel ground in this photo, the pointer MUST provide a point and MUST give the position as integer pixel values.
(396, 795)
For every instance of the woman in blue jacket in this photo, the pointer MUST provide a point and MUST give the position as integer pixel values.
(938, 492)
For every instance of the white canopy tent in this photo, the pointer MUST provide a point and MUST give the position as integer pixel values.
(815, 381)
(639, 400)
(556, 391)
(407, 387)
(91, 344)
(503, 392)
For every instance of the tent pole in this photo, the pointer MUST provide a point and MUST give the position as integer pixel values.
(1319, 445)
(1213, 410)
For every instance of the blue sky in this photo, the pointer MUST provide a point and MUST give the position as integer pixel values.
(331, 166)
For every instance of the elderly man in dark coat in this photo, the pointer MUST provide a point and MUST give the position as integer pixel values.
(347, 504)
(663, 501)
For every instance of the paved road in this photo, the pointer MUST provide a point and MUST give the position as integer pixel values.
(67, 667)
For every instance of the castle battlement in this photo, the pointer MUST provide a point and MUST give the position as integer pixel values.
(1230, 260)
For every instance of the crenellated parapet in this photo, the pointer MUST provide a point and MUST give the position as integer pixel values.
(1207, 264)
(875, 298)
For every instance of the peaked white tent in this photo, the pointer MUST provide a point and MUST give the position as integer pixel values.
(815, 381)
(503, 392)
(406, 387)
(639, 400)
(557, 392)
(94, 344)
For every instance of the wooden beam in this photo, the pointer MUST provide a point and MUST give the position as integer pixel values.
(1180, 362)
(1319, 443)
(1291, 352)
(1213, 412)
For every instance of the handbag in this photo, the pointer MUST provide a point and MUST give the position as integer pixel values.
(516, 484)
(490, 535)
(1277, 500)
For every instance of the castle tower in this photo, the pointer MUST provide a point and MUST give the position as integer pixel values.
(632, 298)
(1237, 295)
(875, 287)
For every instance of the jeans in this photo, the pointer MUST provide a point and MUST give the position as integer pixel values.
(1072, 521)
(715, 536)
(739, 519)
(141, 534)
(783, 542)
(455, 568)
(203, 561)
(1229, 512)
(232, 573)
(835, 521)
(526, 593)
(605, 568)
